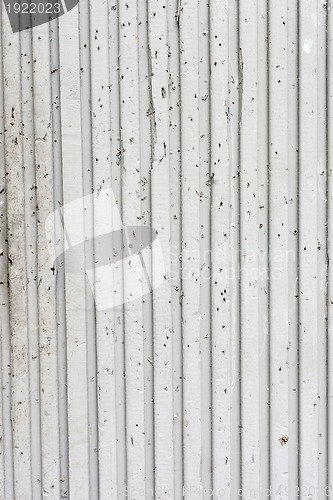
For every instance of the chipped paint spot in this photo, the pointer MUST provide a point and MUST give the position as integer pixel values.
(307, 45)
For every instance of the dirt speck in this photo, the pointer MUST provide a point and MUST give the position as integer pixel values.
(283, 440)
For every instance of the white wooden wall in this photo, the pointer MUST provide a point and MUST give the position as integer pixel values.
(212, 122)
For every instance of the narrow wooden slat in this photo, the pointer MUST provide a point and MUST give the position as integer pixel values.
(88, 171)
(118, 312)
(48, 338)
(293, 400)
(17, 273)
(279, 208)
(146, 142)
(106, 219)
(175, 202)
(131, 213)
(160, 206)
(6, 465)
(205, 241)
(329, 489)
(190, 182)
(58, 243)
(78, 417)
(312, 249)
(234, 102)
(253, 248)
(222, 282)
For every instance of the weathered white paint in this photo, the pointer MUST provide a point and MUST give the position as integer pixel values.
(211, 122)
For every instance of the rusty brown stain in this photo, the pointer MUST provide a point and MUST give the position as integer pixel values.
(283, 440)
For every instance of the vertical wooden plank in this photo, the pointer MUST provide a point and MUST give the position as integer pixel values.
(105, 219)
(205, 255)
(78, 417)
(6, 460)
(329, 489)
(280, 259)
(160, 207)
(146, 142)
(312, 250)
(190, 179)
(253, 244)
(322, 249)
(118, 312)
(90, 259)
(58, 237)
(220, 212)
(263, 249)
(31, 208)
(234, 103)
(293, 152)
(20, 393)
(131, 212)
(176, 236)
(48, 339)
